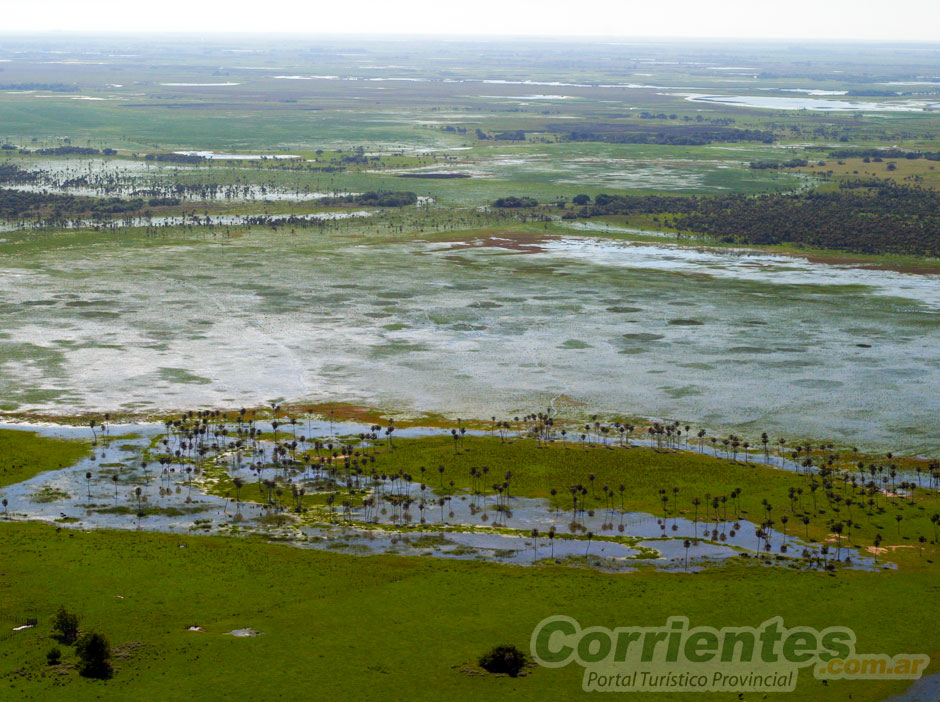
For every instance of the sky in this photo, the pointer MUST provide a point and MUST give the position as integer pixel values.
(906, 20)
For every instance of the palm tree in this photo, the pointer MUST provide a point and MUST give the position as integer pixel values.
(88, 482)
(590, 535)
(238, 483)
(837, 529)
(535, 540)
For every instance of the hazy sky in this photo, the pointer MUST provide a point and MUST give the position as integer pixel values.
(843, 19)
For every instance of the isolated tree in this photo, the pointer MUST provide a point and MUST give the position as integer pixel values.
(65, 626)
(503, 659)
(94, 654)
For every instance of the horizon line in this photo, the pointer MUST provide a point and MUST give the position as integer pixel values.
(397, 36)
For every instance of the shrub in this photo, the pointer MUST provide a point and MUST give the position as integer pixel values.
(94, 653)
(503, 659)
(515, 202)
(53, 656)
(65, 626)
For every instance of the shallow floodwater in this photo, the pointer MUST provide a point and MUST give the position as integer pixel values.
(726, 339)
(142, 178)
(191, 220)
(117, 489)
(236, 193)
(927, 689)
(815, 103)
(212, 155)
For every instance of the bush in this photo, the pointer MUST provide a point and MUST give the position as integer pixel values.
(54, 656)
(504, 659)
(65, 626)
(94, 653)
(515, 202)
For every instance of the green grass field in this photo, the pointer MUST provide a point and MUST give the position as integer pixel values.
(23, 455)
(379, 627)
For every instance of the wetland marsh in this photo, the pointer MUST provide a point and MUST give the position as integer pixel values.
(312, 346)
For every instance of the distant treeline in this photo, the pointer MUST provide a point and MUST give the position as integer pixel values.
(863, 216)
(514, 202)
(175, 158)
(10, 173)
(55, 207)
(773, 165)
(435, 176)
(51, 87)
(17, 204)
(63, 151)
(885, 153)
(74, 151)
(669, 135)
(510, 135)
(379, 198)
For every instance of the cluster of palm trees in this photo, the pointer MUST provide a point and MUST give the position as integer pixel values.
(830, 493)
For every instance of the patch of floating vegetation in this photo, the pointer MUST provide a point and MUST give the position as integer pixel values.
(147, 511)
(48, 494)
(643, 337)
(181, 375)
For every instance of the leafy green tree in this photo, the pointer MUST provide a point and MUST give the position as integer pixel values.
(503, 659)
(94, 654)
(65, 626)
